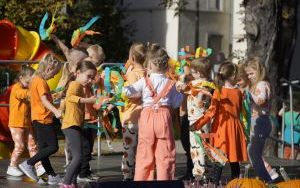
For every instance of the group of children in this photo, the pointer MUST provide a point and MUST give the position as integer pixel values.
(213, 110)
(32, 108)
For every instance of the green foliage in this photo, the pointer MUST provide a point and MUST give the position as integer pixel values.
(70, 16)
(114, 37)
(28, 13)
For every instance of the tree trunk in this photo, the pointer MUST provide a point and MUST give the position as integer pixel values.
(270, 28)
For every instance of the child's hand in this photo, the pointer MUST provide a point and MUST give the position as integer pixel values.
(109, 109)
(92, 100)
(58, 114)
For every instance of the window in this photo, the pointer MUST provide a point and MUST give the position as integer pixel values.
(214, 42)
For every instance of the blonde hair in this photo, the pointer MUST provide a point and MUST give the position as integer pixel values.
(26, 71)
(226, 71)
(98, 50)
(48, 61)
(157, 56)
(261, 73)
(201, 65)
(242, 73)
(138, 52)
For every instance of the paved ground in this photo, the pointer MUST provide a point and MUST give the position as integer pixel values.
(107, 167)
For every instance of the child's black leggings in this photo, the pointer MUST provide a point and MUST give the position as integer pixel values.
(47, 145)
(217, 172)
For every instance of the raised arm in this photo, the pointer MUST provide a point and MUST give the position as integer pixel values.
(60, 44)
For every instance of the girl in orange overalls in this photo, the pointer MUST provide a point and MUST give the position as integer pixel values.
(156, 144)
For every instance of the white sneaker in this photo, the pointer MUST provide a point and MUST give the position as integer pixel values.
(14, 171)
(28, 170)
(54, 180)
(40, 170)
(274, 174)
(41, 181)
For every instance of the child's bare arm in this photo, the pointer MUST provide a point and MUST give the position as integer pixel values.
(60, 44)
(50, 106)
(90, 100)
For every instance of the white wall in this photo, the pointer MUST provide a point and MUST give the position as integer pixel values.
(171, 34)
(238, 29)
(154, 23)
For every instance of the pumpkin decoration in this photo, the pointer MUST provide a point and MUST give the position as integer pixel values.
(246, 183)
(289, 184)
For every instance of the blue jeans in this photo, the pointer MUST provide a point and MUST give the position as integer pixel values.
(261, 129)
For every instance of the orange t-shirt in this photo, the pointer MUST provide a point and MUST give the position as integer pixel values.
(39, 112)
(19, 107)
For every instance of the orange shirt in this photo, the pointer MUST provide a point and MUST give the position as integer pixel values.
(131, 112)
(74, 114)
(19, 107)
(39, 112)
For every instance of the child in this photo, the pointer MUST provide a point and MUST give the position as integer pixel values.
(260, 119)
(20, 123)
(96, 56)
(197, 104)
(156, 144)
(225, 109)
(131, 112)
(243, 84)
(74, 117)
(186, 77)
(184, 126)
(42, 111)
(287, 130)
(95, 53)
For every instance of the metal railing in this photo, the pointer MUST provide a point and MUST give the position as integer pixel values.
(99, 133)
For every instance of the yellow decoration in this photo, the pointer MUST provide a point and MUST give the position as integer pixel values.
(28, 44)
(245, 183)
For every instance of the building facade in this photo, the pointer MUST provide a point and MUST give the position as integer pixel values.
(206, 23)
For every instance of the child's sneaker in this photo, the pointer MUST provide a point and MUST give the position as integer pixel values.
(54, 180)
(274, 174)
(40, 170)
(28, 170)
(41, 181)
(14, 171)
